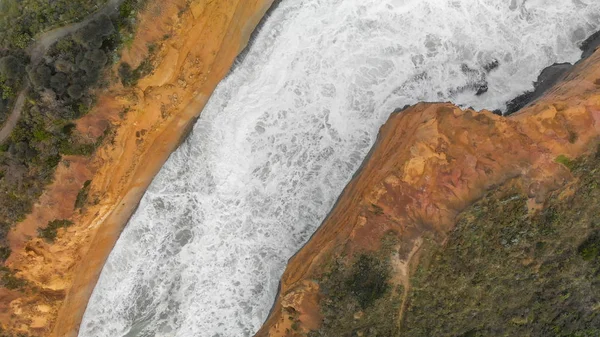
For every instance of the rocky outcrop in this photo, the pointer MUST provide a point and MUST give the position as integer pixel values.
(195, 44)
(431, 162)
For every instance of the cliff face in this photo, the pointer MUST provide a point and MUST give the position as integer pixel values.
(390, 252)
(195, 44)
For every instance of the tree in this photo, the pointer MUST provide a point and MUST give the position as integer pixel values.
(92, 35)
(64, 66)
(12, 68)
(104, 26)
(97, 56)
(3, 109)
(75, 91)
(59, 82)
(40, 76)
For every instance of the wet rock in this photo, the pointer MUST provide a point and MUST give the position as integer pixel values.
(547, 79)
(589, 46)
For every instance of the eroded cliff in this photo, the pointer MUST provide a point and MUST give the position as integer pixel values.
(409, 250)
(193, 47)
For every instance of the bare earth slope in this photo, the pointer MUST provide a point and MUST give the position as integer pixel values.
(431, 162)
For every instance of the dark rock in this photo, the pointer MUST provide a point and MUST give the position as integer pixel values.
(483, 88)
(547, 79)
(397, 110)
(589, 46)
(491, 66)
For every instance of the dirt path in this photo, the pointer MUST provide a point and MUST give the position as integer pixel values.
(37, 51)
(404, 268)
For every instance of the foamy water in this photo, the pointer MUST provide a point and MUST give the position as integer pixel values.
(285, 131)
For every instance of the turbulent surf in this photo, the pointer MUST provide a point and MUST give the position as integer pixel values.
(286, 130)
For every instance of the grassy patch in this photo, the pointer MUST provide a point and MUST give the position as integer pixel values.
(564, 160)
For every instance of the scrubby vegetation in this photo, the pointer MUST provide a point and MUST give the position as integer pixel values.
(7, 334)
(8, 279)
(50, 231)
(12, 71)
(83, 194)
(130, 77)
(4, 249)
(62, 88)
(358, 298)
(506, 272)
(22, 20)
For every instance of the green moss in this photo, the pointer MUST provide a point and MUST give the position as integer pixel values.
(74, 148)
(506, 272)
(564, 160)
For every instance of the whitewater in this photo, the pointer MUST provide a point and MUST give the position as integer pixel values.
(285, 131)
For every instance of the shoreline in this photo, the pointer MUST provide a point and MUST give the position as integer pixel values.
(414, 184)
(152, 161)
(198, 44)
(550, 76)
(121, 174)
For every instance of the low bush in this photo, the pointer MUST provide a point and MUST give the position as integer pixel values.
(50, 232)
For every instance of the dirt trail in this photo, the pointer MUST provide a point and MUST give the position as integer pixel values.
(404, 267)
(37, 51)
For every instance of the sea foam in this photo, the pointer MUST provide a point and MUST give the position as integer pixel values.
(285, 131)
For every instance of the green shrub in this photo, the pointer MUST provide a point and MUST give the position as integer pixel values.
(9, 280)
(50, 231)
(130, 77)
(360, 285)
(4, 253)
(368, 280)
(82, 195)
(590, 248)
